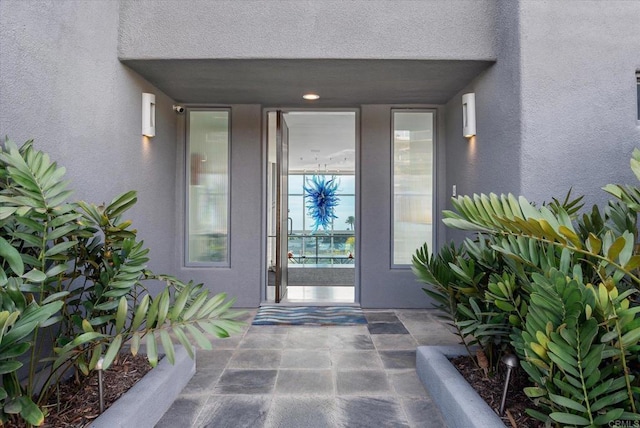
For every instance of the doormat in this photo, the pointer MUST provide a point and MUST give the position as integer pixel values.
(309, 315)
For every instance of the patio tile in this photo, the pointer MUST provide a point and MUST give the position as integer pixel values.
(202, 382)
(422, 412)
(267, 341)
(267, 329)
(387, 328)
(378, 316)
(226, 343)
(362, 360)
(255, 359)
(351, 342)
(421, 315)
(183, 412)
(303, 412)
(363, 382)
(234, 411)
(406, 383)
(297, 340)
(307, 382)
(437, 338)
(367, 412)
(216, 359)
(239, 381)
(394, 341)
(398, 359)
(304, 358)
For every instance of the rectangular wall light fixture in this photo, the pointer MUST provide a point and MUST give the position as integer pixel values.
(148, 115)
(469, 115)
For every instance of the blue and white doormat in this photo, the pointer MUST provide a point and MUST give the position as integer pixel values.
(309, 315)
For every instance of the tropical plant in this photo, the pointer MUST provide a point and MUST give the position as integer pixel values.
(72, 287)
(567, 286)
(350, 221)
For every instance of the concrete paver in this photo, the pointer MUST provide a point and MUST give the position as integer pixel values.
(315, 376)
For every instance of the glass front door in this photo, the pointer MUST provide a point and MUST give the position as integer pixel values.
(311, 200)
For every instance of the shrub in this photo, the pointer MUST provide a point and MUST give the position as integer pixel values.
(72, 287)
(557, 288)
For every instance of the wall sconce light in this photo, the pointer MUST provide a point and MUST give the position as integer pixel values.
(148, 115)
(469, 115)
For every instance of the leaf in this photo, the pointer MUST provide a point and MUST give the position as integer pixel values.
(167, 345)
(152, 350)
(34, 275)
(141, 311)
(30, 412)
(631, 338)
(182, 337)
(567, 402)
(12, 256)
(200, 338)
(112, 352)
(610, 416)
(568, 418)
(59, 248)
(9, 366)
(121, 315)
(534, 392)
(615, 249)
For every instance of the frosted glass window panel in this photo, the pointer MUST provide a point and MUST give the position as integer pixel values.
(208, 192)
(412, 183)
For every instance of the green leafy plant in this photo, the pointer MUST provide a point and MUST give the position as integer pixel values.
(568, 286)
(72, 287)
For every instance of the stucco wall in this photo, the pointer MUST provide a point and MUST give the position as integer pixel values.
(579, 111)
(442, 29)
(244, 277)
(490, 161)
(61, 83)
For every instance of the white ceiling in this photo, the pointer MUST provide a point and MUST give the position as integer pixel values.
(321, 141)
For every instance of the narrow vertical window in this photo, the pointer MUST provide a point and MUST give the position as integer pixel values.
(638, 92)
(412, 183)
(208, 188)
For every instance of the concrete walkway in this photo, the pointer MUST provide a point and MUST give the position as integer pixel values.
(314, 376)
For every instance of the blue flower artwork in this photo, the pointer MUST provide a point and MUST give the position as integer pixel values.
(321, 198)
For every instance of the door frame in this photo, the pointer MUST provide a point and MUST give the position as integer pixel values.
(265, 153)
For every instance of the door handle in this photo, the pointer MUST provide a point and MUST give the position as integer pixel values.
(290, 221)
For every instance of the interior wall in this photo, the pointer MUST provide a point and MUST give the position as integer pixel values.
(243, 278)
(490, 161)
(61, 84)
(579, 96)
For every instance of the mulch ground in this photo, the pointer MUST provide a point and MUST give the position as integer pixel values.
(490, 389)
(78, 402)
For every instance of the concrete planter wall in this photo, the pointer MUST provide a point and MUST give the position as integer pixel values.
(459, 403)
(145, 403)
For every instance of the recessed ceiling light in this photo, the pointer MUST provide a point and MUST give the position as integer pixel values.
(311, 96)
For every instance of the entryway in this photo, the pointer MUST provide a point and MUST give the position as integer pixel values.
(311, 251)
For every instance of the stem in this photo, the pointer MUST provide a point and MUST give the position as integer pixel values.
(576, 249)
(623, 358)
(584, 386)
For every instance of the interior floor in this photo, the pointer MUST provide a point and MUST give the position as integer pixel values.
(316, 294)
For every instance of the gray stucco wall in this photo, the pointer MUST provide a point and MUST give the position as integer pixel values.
(335, 29)
(579, 111)
(380, 285)
(490, 161)
(244, 277)
(61, 83)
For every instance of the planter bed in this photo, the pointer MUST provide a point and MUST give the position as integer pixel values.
(459, 403)
(145, 403)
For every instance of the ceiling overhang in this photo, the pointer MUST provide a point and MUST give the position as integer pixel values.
(282, 82)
